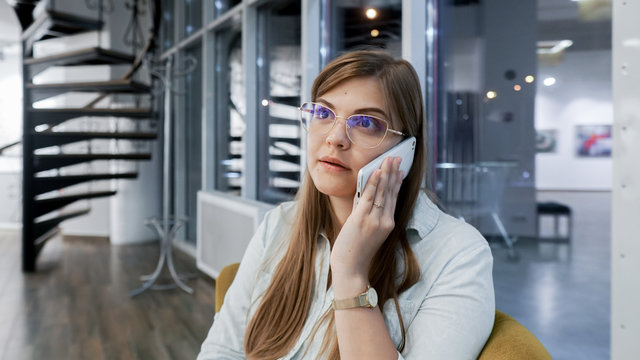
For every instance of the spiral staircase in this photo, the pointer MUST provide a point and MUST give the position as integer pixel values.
(46, 192)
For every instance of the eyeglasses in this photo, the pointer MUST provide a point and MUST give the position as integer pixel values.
(365, 131)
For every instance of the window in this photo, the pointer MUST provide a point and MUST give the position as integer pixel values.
(230, 110)
(192, 17)
(167, 24)
(219, 7)
(190, 166)
(279, 76)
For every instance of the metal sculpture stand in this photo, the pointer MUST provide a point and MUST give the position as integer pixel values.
(168, 226)
(167, 230)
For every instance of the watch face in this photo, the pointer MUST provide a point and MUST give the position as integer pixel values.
(372, 296)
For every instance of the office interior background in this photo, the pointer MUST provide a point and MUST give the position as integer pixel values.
(530, 126)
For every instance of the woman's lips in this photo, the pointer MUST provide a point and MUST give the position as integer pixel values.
(332, 164)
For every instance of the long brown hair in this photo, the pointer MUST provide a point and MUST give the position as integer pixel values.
(281, 314)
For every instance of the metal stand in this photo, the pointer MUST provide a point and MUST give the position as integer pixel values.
(167, 231)
(168, 226)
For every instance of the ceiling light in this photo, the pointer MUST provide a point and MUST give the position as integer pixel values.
(549, 81)
(375, 33)
(517, 87)
(529, 79)
(371, 13)
(491, 94)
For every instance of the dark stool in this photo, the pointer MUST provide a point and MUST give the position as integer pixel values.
(556, 210)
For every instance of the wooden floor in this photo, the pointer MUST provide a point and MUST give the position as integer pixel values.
(77, 305)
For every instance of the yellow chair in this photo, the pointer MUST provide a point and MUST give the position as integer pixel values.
(508, 339)
(224, 280)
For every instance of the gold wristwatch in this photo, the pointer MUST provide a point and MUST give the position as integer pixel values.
(368, 299)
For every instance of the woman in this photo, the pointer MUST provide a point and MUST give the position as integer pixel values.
(431, 272)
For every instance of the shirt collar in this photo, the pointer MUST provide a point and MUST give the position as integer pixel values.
(423, 218)
(425, 215)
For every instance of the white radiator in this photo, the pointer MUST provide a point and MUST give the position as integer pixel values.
(226, 223)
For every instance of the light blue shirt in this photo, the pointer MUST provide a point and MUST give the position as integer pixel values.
(448, 314)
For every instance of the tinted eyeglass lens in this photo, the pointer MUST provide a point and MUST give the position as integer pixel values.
(363, 130)
(316, 119)
(366, 131)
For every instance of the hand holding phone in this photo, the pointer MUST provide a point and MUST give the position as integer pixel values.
(405, 149)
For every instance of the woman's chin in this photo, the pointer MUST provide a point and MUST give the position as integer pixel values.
(337, 193)
(335, 190)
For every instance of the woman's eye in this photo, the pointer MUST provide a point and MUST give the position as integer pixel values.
(366, 122)
(322, 113)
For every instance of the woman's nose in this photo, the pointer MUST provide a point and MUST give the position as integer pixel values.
(337, 136)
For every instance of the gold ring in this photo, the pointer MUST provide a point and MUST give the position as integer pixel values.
(378, 205)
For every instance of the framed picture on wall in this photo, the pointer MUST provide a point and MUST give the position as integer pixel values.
(593, 140)
(546, 140)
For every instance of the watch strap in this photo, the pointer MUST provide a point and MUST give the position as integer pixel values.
(354, 302)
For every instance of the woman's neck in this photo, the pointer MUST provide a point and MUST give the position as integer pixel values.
(342, 208)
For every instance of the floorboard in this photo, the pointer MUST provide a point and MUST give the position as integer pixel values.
(77, 305)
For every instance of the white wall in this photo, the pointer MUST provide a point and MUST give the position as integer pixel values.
(141, 198)
(625, 236)
(581, 96)
(10, 195)
(10, 117)
(10, 94)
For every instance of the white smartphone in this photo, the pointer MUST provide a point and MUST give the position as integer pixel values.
(405, 150)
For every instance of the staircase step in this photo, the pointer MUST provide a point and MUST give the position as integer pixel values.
(42, 227)
(57, 116)
(288, 158)
(52, 161)
(50, 138)
(47, 205)
(283, 121)
(291, 175)
(43, 184)
(53, 23)
(293, 141)
(286, 100)
(88, 56)
(43, 91)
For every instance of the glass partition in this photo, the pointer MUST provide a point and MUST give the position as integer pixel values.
(230, 110)
(485, 124)
(526, 84)
(279, 75)
(524, 115)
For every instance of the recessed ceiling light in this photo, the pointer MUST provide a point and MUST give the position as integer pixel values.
(371, 13)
